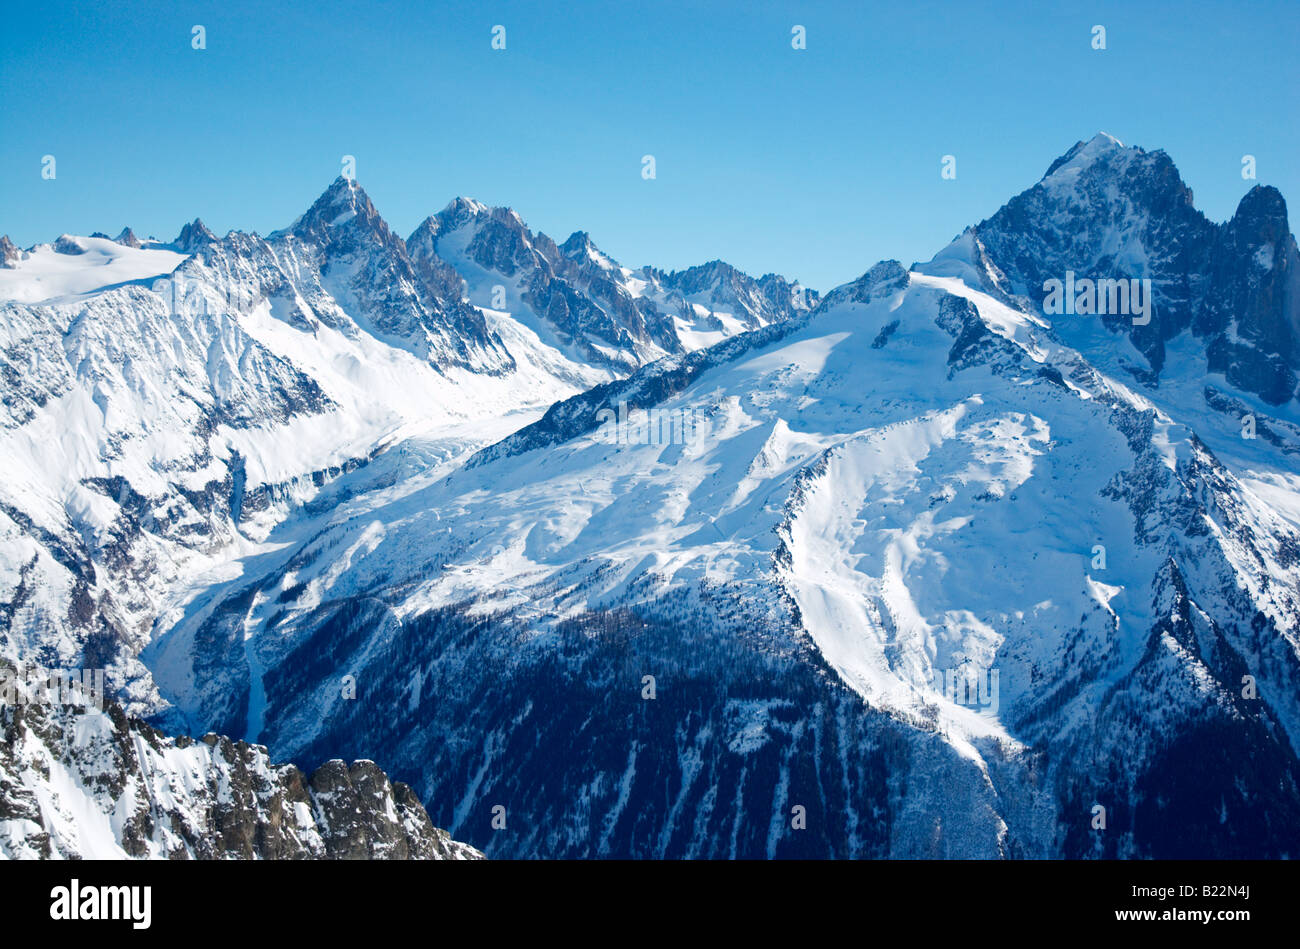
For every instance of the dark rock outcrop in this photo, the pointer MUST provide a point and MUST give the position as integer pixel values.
(139, 793)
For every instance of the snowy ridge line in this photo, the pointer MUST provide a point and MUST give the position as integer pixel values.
(664, 378)
(584, 303)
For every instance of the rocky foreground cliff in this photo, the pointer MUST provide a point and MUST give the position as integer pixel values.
(80, 782)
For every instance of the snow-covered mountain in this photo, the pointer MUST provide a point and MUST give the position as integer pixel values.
(151, 428)
(1104, 211)
(912, 482)
(167, 405)
(913, 569)
(581, 299)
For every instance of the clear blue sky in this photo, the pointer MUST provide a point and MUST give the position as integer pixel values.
(811, 163)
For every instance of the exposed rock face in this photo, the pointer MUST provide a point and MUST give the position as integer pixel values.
(588, 308)
(9, 252)
(67, 244)
(78, 782)
(1251, 316)
(194, 237)
(1104, 211)
(611, 314)
(343, 233)
(720, 286)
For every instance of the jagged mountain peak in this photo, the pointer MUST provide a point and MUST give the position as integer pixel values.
(463, 204)
(458, 212)
(580, 247)
(1081, 154)
(127, 238)
(507, 215)
(461, 211)
(723, 284)
(194, 236)
(1110, 212)
(1101, 182)
(9, 252)
(577, 242)
(711, 272)
(343, 188)
(343, 208)
(886, 273)
(1264, 204)
(716, 266)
